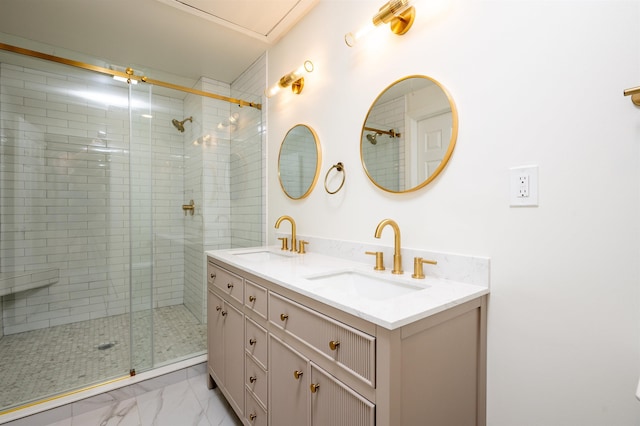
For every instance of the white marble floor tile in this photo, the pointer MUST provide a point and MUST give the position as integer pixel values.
(172, 400)
(172, 405)
(65, 422)
(122, 413)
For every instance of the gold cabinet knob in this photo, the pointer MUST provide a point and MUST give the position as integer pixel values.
(314, 387)
(224, 313)
(252, 379)
(297, 374)
(213, 275)
(230, 285)
(252, 417)
(252, 342)
(283, 317)
(334, 344)
(252, 299)
(218, 308)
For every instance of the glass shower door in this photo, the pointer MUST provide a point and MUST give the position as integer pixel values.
(141, 227)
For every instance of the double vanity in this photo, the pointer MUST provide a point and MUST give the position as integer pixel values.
(323, 338)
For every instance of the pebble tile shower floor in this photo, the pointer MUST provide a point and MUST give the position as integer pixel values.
(44, 362)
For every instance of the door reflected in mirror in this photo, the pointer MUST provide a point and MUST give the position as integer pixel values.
(299, 161)
(409, 134)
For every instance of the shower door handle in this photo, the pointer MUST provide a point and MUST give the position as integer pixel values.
(191, 207)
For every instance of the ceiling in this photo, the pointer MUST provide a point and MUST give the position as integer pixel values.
(188, 38)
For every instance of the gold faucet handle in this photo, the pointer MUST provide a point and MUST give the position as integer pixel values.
(417, 266)
(285, 244)
(379, 259)
(303, 244)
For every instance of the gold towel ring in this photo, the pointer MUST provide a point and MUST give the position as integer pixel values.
(340, 168)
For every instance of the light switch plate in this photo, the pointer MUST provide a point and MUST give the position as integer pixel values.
(523, 186)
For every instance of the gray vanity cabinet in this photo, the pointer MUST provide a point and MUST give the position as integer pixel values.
(289, 391)
(324, 367)
(225, 342)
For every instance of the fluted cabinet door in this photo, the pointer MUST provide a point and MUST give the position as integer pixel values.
(289, 381)
(335, 404)
(215, 336)
(234, 355)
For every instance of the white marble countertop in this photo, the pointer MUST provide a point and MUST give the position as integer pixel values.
(296, 272)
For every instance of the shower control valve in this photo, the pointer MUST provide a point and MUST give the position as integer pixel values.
(191, 208)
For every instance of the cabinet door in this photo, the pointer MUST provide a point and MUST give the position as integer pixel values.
(335, 404)
(215, 337)
(289, 385)
(234, 356)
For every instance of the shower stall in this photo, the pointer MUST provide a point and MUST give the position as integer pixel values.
(110, 192)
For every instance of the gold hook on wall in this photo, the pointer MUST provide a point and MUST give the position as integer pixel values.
(634, 92)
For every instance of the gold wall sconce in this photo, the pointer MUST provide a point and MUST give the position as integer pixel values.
(398, 13)
(294, 79)
(634, 92)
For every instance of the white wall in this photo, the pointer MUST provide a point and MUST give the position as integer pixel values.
(535, 83)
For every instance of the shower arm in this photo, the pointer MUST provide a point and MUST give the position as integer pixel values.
(392, 133)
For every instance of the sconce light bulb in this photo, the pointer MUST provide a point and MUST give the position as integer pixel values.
(352, 38)
(294, 79)
(308, 66)
(272, 91)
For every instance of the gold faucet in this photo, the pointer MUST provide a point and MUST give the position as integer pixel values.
(397, 257)
(293, 229)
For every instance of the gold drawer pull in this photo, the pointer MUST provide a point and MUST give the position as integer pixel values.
(224, 313)
(252, 379)
(334, 344)
(252, 342)
(213, 275)
(314, 387)
(252, 298)
(230, 285)
(283, 317)
(252, 417)
(297, 374)
(218, 308)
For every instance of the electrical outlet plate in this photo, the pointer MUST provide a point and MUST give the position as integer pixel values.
(523, 186)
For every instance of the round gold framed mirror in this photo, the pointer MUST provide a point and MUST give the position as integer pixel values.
(409, 134)
(299, 161)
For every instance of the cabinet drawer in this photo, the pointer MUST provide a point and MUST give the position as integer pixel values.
(256, 380)
(256, 342)
(351, 349)
(255, 298)
(228, 282)
(254, 412)
(211, 274)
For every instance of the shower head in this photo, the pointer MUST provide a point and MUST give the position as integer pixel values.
(180, 124)
(371, 137)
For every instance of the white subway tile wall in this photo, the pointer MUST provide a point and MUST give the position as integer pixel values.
(248, 160)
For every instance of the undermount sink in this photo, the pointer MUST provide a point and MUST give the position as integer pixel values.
(263, 255)
(353, 285)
